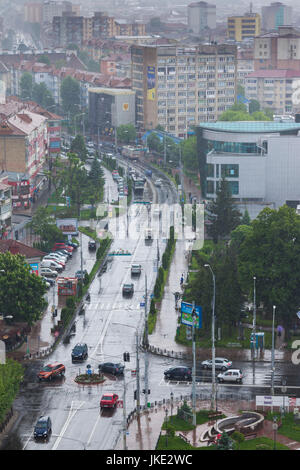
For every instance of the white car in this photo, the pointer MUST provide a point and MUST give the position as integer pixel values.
(58, 255)
(220, 363)
(158, 183)
(48, 272)
(56, 260)
(231, 375)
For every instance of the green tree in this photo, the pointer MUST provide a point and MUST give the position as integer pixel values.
(44, 59)
(190, 154)
(126, 133)
(44, 226)
(70, 95)
(271, 252)
(78, 147)
(42, 95)
(254, 106)
(26, 86)
(21, 292)
(223, 214)
(246, 220)
(225, 442)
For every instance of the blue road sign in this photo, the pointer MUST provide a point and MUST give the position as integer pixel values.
(142, 304)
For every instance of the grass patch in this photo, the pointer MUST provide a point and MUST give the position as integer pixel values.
(173, 443)
(289, 427)
(228, 339)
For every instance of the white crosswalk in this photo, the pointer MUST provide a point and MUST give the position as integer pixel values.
(104, 306)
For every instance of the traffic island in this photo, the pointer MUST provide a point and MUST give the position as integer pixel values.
(89, 379)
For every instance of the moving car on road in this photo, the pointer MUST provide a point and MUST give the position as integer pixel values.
(178, 373)
(43, 428)
(136, 269)
(128, 289)
(92, 245)
(111, 368)
(109, 400)
(80, 352)
(52, 370)
(221, 363)
(231, 375)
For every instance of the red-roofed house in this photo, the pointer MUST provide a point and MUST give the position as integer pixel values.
(32, 255)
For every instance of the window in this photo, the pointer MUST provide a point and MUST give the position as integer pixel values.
(210, 188)
(230, 171)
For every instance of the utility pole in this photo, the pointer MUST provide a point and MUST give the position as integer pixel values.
(146, 343)
(138, 403)
(213, 384)
(194, 365)
(273, 352)
(124, 415)
(165, 150)
(81, 261)
(254, 319)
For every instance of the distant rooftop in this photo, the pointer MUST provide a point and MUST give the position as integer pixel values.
(251, 126)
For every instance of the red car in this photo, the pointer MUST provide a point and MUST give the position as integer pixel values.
(63, 246)
(52, 370)
(109, 400)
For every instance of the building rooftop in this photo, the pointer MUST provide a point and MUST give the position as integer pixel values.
(252, 126)
(112, 91)
(17, 248)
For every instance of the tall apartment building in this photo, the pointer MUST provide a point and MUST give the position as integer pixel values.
(278, 50)
(67, 29)
(243, 27)
(103, 25)
(201, 15)
(178, 87)
(275, 15)
(33, 12)
(52, 8)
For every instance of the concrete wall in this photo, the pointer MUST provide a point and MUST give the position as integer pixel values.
(12, 154)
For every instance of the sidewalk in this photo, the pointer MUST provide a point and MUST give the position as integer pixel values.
(163, 336)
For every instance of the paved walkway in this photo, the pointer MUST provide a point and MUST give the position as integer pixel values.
(143, 432)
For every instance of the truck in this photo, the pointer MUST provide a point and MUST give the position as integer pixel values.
(148, 173)
(148, 234)
(136, 269)
(133, 153)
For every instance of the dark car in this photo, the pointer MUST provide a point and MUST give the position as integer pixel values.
(80, 352)
(92, 245)
(73, 245)
(65, 253)
(178, 373)
(49, 279)
(42, 429)
(111, 368)
(128, 289)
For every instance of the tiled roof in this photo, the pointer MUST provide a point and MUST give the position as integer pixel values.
(15, 247)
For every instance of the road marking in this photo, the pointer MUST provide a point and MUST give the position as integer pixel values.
(75, 406)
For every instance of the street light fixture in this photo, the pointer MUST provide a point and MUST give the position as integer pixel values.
(273, 353)
(213, 391)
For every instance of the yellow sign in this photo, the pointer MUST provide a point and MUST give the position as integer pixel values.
(125, 107)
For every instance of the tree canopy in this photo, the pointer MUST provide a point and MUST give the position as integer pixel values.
(223, 214)
(70, 95)
(21, 292)
(271, 253)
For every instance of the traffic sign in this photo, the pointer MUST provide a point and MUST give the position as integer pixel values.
(142, 304)
(133, 373)
(120, 404)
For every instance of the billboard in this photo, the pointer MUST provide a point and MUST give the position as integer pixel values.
(151, 83)
(186, 314)
(68, 226)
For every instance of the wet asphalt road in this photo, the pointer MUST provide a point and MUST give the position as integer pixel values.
(109, 327)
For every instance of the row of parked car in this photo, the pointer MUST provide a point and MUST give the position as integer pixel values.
(55, 262)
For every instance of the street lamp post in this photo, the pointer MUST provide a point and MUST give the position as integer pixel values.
(273, 352)
(194, 316)
(254, 319)
(213, 390)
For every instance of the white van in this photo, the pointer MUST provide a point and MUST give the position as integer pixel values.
(52, 264)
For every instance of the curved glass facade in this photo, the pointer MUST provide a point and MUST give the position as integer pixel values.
(233, 147)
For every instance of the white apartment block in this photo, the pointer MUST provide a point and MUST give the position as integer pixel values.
(178, 87)
(201, 15)
(274, 89)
